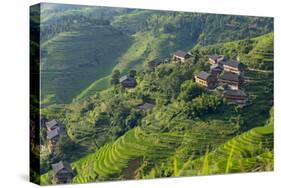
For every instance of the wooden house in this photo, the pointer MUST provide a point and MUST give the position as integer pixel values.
(232, 80)
(216, 70)
(236, 96)
(216, 59)
(146, 106)
(206, 80)
(51, 125)
(234, 67)
(53, 136)
(62, 173)
(181, 56)
(127, 81)
(154, 63)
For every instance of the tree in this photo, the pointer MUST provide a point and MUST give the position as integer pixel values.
(189, 91)
(115, 77)
(132, 73)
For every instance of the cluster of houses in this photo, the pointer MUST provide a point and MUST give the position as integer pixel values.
(227, 73)
(62, 171)
(224, 73)
(128, 81)
(54, 131)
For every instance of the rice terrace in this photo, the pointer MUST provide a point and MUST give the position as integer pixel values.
(141, 94)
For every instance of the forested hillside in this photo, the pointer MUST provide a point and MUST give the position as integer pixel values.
(166, 124)
(75, 40)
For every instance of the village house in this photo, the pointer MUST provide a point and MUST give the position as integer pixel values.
(154, 63)
(62, 173)
(233, 81)
(236, 96)
(216, 59)
(146, 106)
(51, 125)
(234, 67)
(127, 81)
(216, 70)
(181, 56)
(206, 80)
(54, 135)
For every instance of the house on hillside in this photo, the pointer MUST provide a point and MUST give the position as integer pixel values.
(53, 137)
(236, 96)
(127, 81)
(181, 56)
(206, 80)
(146, 106)
(216, 70)
(62, 173)
(234, 67)
(216, 59)
(232, 80)
(154, 63)
(51, 125)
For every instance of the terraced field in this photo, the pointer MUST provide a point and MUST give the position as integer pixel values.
(243, 153)
(73, 60)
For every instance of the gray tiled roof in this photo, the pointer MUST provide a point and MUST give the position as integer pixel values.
(53, 133)
(230, 76)
(51, 124)
(215, 57)
(126, 77)
(203, 75)
(57, 167)
(146, 106)
(181, 54)
(232, 63)
(155, 62)
(235, 93)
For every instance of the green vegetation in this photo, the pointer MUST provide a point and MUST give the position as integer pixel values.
(189, 130)
(96, 40)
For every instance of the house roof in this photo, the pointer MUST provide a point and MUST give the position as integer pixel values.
(53, 133)
(230, 76)
(51, 124)
(203, 75)
(233, 63)
(238, 92)
(181, 54)
(126, 77)
(57, 167)
(155, 62)
(216, 57)
(215, 66)
(146, 106)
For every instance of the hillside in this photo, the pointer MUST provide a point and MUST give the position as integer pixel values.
(177, 117)
(188, 132)
(72, 37)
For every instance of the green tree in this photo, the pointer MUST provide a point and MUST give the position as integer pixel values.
(115, 77)
(133, 73)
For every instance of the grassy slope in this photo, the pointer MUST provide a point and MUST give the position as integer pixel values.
(76, 58)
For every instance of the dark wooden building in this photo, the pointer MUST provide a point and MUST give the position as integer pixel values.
(234, 67)
(62, 173)
(206, 80)
(236, 96)
(127, 81)
(216, 70)
(154, 63)
(53, 137)
(216, 59)
(232, 80)
(51, 125)
(181, 56)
